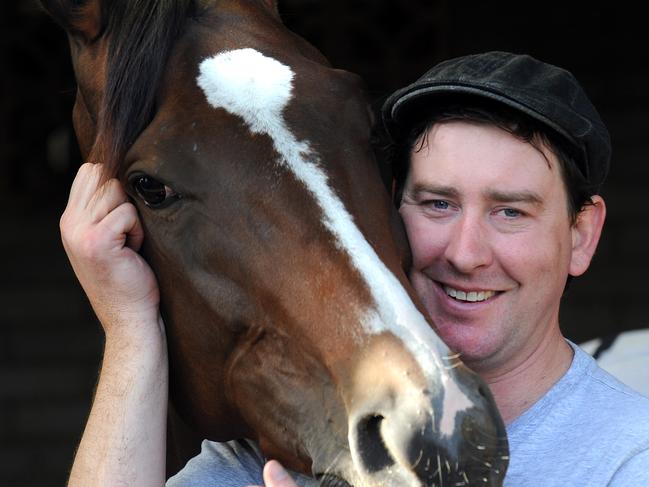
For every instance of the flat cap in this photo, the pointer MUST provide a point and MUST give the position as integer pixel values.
(546, 93)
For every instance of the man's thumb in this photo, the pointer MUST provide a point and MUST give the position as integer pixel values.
(276, 476)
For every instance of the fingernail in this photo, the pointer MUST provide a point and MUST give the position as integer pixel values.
(276, 471)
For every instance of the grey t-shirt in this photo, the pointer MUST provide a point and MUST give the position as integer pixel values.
(589, 430)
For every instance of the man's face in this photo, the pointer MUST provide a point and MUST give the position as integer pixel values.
(487, 219)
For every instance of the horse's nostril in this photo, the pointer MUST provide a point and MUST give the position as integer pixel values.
(371, 446)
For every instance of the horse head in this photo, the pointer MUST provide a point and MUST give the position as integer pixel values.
(289, 316)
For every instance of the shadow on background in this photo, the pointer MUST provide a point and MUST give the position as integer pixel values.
(50, 343)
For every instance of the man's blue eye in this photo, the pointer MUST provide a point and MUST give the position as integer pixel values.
(511, 212)
(440, 204)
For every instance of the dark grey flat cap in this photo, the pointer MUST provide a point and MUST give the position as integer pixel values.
(544, 92)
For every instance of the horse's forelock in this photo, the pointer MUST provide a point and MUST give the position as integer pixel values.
(141, 34)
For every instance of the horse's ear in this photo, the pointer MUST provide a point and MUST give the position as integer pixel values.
(80, 18)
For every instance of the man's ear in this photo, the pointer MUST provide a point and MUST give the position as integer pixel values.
(585, 235)
(83, 19)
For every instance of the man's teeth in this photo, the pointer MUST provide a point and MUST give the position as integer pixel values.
(471, 296)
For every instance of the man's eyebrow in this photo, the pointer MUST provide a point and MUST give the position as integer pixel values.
(444, 191)
(493, 195)
(515, 197)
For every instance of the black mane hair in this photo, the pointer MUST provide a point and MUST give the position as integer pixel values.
(140, 35)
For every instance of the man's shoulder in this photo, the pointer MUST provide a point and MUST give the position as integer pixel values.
(602, 386)
(624, 355)
(587, 406)
(589, 428)
(606, 402)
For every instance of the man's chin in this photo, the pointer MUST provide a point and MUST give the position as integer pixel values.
(473, 345)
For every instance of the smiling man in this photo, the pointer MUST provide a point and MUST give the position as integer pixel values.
(493, 243)
(499, 159)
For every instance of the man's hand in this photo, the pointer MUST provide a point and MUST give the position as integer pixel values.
(102, 234)
(276, 476)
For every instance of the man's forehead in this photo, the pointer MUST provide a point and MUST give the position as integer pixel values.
(460, 141)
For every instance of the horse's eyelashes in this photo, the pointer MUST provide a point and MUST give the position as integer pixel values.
(154, 193)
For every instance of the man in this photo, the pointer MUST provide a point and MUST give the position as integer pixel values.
(499, 159)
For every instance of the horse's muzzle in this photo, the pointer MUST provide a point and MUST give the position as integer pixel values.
(412, 429)
(478, 457)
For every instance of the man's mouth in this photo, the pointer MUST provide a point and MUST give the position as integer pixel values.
(470, 296)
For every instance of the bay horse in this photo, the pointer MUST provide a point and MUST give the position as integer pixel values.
(278, 254)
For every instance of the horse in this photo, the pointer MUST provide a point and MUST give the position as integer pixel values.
(279, 256)
(624, 355)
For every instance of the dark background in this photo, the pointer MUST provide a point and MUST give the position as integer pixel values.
(50, 343)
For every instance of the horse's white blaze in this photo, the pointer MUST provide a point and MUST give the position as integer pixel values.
(248, 84)
(257, 88)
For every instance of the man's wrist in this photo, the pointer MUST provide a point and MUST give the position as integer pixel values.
(137, 333)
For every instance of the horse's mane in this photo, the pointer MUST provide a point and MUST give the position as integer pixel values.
(140, 36)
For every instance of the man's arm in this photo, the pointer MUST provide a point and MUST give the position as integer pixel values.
(124, 439)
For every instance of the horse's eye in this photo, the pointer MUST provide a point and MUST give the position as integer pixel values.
(154, 193)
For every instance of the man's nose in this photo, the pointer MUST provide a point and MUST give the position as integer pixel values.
(469, 248)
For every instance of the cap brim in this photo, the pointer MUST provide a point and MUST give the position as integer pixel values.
(401, 107)
(411, 103)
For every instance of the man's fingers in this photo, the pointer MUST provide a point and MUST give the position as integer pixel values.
(135, 236)
(276, 476)
(106, 199)
(88, 194)
(84, 186)
(123, 222)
